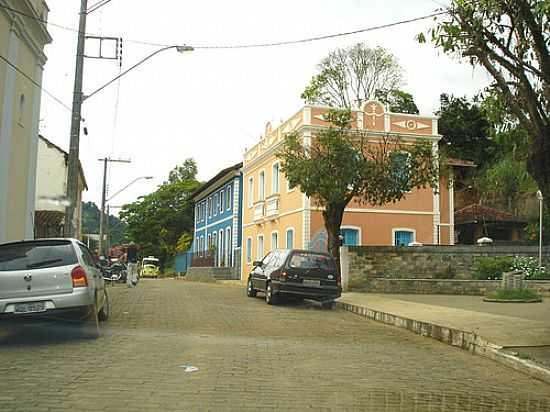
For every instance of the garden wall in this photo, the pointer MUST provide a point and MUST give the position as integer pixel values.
(399, 269)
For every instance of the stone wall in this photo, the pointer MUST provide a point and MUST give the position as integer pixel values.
(446, 286)
(365, 266)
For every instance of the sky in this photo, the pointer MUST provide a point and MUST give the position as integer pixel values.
(211, 104)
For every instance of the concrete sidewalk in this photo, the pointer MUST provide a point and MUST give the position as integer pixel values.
(493, 321)
(464, 321)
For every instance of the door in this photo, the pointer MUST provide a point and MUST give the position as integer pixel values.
(260, 272)
(95, 277)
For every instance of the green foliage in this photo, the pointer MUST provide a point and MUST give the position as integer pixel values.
(532, 230)
(157, 221)
(349, 77)
(397, 101)
(184, 242)
(90, 223)
(513, 294)
(487, 268)
(510, 39)
(465, 130)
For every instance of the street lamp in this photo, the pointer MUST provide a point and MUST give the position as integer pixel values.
(102, 215)
(76, 118)
(540, 198)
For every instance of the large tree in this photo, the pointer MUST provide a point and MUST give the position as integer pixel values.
(511, 40)
(348, 77)
(342, 163)
(157, 221)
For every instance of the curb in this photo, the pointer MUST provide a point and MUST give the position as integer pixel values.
(455, 337)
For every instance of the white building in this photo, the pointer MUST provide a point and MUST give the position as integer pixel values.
(51, 190)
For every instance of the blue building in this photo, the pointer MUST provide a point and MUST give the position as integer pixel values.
(218, 220)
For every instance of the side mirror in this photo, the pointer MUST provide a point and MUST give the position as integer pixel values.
(257, 263)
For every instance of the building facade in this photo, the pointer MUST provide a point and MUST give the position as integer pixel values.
(277, 216)
(51, 187)
(22, 41)
(218, 217)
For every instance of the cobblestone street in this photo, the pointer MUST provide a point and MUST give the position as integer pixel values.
(250, 356)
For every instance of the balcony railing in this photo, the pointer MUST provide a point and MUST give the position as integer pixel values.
(272, 206)
(259, 211)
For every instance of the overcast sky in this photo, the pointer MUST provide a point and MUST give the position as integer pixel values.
(212, 104)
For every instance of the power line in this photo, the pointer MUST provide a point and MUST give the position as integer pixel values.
(35, 83)
(324, 37)
(97, 5)
(251, 45)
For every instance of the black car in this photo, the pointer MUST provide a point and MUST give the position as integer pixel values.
(298, 273)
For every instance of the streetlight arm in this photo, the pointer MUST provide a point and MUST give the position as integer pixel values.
(179, 48)
(128, 185)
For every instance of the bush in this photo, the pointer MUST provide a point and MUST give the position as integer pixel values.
(530, 266)
(491, 268)
(513, 294)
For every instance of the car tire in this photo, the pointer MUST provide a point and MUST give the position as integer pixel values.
(90, 325)
(327, 305)
(250, 291)
(103, 314)
(271, 297)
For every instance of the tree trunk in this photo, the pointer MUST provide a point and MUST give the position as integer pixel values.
(538, 164)
(333, 215)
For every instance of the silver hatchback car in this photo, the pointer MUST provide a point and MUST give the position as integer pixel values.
(52, 278)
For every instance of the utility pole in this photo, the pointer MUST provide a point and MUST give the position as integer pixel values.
(105, 161)
(72, 174)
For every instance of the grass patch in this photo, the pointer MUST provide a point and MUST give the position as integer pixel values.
(513, 294)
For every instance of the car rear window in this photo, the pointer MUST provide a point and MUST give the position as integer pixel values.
(311, 261)
(36, 255)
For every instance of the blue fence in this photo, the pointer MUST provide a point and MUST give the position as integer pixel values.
(183, 261)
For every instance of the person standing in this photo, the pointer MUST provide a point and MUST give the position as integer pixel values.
(131, 256)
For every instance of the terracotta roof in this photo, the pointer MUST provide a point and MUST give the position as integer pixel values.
(451, 161)
(482, 214)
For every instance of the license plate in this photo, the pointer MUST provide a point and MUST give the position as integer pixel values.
(30, 307)
(315, 283)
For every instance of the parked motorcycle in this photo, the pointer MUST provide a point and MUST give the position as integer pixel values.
(117, 272)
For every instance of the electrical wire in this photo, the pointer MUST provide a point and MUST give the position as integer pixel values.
(35, 83)
(97, 5)
(251, 45)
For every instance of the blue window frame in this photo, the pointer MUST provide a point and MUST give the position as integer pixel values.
(290, 239)
(350, 237)
(403, 237)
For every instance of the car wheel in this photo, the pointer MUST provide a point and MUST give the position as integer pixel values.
(270, 295)
(250, 291)
(90, 325)
(103, 314)
(327, 305)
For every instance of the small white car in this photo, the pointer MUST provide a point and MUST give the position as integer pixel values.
(52, 278)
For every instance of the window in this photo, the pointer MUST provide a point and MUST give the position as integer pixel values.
(197, 216)
(402, 237)
(401, 168)
(261, 190)
(228, 247)
(290, 238)
(248, 250)
(250, 192)
(350, 236)
(34, 255)
(274, 241)
(260, 250)
(275, 178)
(215, 204)
(209, 242)
(209, 207)
(21, 109)
(228, 198)
(221, 201)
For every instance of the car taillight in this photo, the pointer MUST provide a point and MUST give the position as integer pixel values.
(284, 275)
(78, 275)
(339, 280)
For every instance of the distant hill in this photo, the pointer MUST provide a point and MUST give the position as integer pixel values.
(90, 223)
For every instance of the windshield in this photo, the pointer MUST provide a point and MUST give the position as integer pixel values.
(35, 255)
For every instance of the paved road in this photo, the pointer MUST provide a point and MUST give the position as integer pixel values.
(249, 356)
